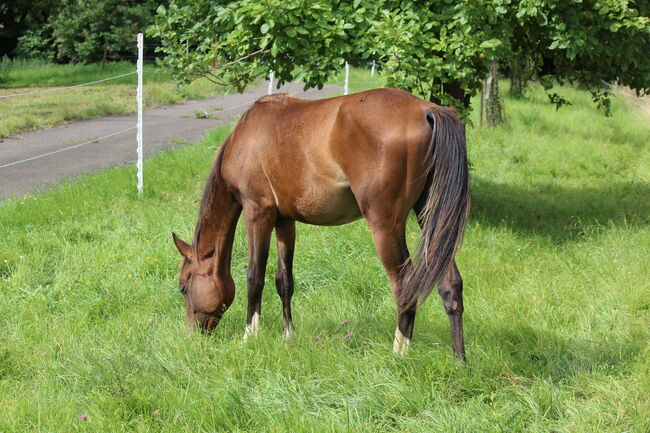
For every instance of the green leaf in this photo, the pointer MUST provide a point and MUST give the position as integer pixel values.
(492, 43)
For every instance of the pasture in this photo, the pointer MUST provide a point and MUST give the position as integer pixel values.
(117, 96)
(557, 299)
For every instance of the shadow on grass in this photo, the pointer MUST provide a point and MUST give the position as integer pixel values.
(565, 214)
(523, 355)
(533, 354)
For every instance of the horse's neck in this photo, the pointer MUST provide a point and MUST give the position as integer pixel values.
(215, 229)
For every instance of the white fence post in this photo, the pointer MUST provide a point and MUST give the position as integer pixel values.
(270, 83)
(139, 97)
(372, 69)
(347, 74)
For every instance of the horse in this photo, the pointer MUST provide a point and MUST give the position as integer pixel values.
(375, 154)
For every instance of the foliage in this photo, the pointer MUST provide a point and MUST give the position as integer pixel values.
(237, 42)
(439, 50)
(74, 30)
(89, 31)
(585, 42)
(19, 18)
(37, 43)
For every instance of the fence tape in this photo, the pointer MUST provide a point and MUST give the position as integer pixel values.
(616, 91)
(67, 87)
(94, 140)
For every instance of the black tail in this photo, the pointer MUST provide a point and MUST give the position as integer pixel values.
(444, 215)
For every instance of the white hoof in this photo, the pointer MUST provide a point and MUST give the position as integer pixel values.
(253, 327)
(288, 332)
(401, 343)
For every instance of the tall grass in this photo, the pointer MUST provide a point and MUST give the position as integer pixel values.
(555, 263)
(39, 73)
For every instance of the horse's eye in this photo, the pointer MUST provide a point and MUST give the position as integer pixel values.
(182, 288)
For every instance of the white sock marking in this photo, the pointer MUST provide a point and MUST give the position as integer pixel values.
(288, 332)
(401, 343)
(253, 327)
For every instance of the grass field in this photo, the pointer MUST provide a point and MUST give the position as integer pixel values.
(557, 299)
(24, 113)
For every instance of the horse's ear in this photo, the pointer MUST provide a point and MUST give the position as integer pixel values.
(183, 247)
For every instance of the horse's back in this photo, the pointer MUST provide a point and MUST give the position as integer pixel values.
(318, 161)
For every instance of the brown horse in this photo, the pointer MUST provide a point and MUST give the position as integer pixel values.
(376, 154)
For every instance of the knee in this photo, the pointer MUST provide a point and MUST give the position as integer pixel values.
(456, 281)
(451, 297)
(283, 283)
(255, 283)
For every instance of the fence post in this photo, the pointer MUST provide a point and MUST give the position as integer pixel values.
(482, 99)
(270, 83)
(372, 69)
(347, 73)
(139, 97)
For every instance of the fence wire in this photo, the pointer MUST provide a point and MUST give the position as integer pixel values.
(67, 87)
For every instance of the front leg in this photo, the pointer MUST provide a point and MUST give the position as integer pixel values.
(259, 224)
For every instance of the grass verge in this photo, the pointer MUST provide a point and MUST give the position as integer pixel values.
(24, 113)
(557, 302)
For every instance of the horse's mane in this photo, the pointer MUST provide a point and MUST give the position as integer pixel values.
(213, 187)
(281, 98)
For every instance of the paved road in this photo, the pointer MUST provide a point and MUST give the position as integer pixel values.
(25, 169)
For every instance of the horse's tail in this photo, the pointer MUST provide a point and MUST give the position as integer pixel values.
(444, 214)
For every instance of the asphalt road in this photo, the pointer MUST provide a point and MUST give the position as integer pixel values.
(36, 160)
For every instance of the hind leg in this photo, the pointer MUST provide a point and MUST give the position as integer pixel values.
(390, 243)
(286, 234)
(451, 292)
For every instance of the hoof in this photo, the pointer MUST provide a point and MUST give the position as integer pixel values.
(253, 327)
(288, 333)
(401, 343)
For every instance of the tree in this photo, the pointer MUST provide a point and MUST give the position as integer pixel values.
(439, 50)
(93, 30)
(18, 17)
(240, 41)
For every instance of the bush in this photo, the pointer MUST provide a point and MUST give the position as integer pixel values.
(37, 44)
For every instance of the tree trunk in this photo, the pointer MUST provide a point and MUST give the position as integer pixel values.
(522, 69)
(493, 104)
(453, 88)
(105, 56)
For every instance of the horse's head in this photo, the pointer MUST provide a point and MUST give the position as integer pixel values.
(206, 295)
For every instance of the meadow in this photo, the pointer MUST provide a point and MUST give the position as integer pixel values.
(25, 113)
(557, 299)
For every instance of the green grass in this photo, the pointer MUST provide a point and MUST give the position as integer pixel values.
(38, 73)
(555, 263)
(358, 80)
(25, 113)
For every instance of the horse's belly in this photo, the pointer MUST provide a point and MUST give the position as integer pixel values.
(334, 205)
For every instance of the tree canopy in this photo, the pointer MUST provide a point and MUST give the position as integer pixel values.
(438, 49)
(83, 31)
